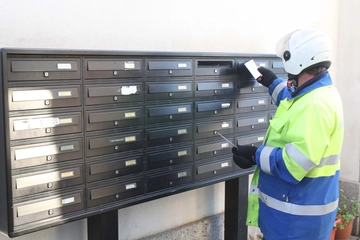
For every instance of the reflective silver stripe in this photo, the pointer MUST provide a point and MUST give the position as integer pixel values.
(305, 162)
(265, 159)
(253, 189)
(330, 160)
(277, 90)
(301, 210)
(299, 157)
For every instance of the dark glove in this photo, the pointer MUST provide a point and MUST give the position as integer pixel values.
(267, 77)
(244, 156)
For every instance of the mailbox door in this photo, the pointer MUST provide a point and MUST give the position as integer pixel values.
(252, 104)
(211, 129)
(173, 90)
(45, 125)
(120, 166)
(46, 153)
(26, 69)
(169, 157)
(168, 67)
(24, 98)
(169, 113)
(113, 93)
(47, 180)
(175, 134)
(252, 122)
(209, 88)
(215, 67)
(113, 68)
(214, 108)
(114, 118)
(115, 192)
(169, 179)
(114, 143)
(213, 169)
(213, 148)
(48, 207)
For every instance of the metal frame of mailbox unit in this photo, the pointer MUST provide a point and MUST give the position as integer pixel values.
(85, 133)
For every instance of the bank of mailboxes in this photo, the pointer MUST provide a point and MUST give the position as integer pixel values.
(86, 132)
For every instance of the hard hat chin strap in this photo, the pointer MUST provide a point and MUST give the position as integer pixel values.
(292, 80)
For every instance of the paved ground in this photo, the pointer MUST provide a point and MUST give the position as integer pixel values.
(354, 238)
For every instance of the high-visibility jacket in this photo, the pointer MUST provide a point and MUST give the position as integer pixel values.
(294, 191)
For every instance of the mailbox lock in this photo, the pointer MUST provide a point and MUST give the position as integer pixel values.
(215, 132)
(215, 70)
(117, 195)
(116, 172)
(49, 185)
(171, 161)
(252, 126)
(215, 91)
(170, 182)
(253, 89)
(252, 144)
(51, 212)
(170, 139)
(116, 148)
(215, 112)
(47, 102)
(115, 73)
(252, 108)
(170, 116)
(170, 94)
(116, 123)
(170, 72)
(215, 152)
(47, 130)
(214, 172)
(48, 158)
(46, 74)
(115, 98)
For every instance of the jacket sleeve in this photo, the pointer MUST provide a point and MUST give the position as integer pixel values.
(278, 90)
(306, 135)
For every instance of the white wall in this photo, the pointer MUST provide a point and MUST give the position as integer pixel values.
(187, 25)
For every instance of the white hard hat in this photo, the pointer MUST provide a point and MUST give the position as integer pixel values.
(303, 49)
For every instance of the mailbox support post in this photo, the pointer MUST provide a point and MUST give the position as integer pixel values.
(103, 226)
(236, 202)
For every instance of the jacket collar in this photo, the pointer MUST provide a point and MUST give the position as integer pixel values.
(320, 80)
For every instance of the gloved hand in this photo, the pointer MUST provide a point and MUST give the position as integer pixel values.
(267, 77)
(244, 156)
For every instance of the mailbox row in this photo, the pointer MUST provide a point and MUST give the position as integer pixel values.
(57, 68)
(50, 97)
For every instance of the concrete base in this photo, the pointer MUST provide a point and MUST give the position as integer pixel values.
(208, 228)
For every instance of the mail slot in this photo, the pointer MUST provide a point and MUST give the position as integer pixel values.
(46, 153)
(168, 67)
(215, 67)
(45, 125)
(114, 192)
(210, 129)
(252, 123)
(169, 113)
(214, 108)
(44, 97)
(46, 180)
(260, 103)
(116, 167)
(113, 93)
(174, 90)
(176, 134)
(170, 179)
(252, 140)
(113, 143)
(169, 157)
(48, 207)
(213, 169)
(114, 118)
(113, 68)
(214, 88)
(26, 69)
(213, 148)
(250, 86)
(259, 62)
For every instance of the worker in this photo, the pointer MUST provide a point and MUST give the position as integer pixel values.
(294, 191)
